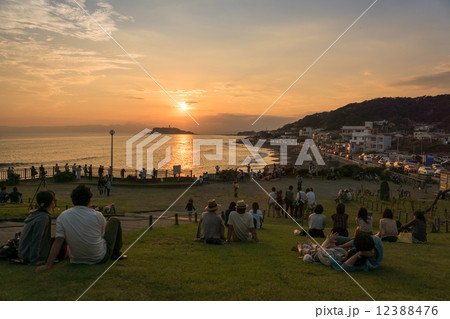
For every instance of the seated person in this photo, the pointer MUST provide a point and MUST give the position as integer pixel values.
(35, 240)
(15, 196)
(363, 222)
(366, 253)
(317, 222)
(340, 221)
(211, 228)
(240, 224)
(3, 195)
(258, 217)
(388, 227)
(90, 238)
(418, 226)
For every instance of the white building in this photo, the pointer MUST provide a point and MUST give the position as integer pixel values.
(367, 142)
(306, 132)
(347, 131)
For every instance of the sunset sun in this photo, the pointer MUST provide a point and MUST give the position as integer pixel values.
(183, 106)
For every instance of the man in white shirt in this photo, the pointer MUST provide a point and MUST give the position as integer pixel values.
(311, 199)
(240, 224)
(90, 238)
(272, 201)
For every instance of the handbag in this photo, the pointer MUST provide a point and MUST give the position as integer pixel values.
(405, 238)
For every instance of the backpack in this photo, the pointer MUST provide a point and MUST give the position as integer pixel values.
(10, 250)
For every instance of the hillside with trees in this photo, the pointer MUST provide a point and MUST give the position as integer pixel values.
(401, 111)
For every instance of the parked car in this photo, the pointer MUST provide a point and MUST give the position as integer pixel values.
(382, 162)
(410, 169)
(388, 164)
(349, 156)
(424, 170)
(437, 166)
(368, 158)
(399, 165)
(437, 172)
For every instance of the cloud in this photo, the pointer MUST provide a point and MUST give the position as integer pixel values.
(64, 18)
(229, 123)
(51, 66)
(440, 80)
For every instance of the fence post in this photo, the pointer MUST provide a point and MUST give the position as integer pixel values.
(400, 216)
(195, 217)
(150, 221)
(176, 219)
(438, 224)
(446, 226)
(191, 173)
(406, 218)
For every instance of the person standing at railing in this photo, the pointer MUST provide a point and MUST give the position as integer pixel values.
(90, 172)
(66, 167)
(85, 169)
(74, 168)
(33, 172)
(56, 169)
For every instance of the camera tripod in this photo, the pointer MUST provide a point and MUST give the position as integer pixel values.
(43, 184)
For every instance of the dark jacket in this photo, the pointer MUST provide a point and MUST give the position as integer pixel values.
(35, 241)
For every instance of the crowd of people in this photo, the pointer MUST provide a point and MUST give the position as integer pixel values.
(84, 234)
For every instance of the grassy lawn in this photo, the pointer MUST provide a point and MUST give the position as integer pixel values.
(167, 264)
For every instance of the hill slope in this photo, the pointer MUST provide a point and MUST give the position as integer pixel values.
(426, 109)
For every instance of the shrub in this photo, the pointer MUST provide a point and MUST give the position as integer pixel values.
(384, 191)
(348, 170)
(64, 177)
(227, 175)
(12, 180)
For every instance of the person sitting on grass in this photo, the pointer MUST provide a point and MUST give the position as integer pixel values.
(340, 221)
(418, 226)
(231, 208)
(388, 227)
(35, 240)
(210, 228)
(363, 222)
(90, 238)
(317, 222)
(258, 217)
(15, 197)
(240, 225)
(3, 195)
(366, 253)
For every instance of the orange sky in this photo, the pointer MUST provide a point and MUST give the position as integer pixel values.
(226, 61)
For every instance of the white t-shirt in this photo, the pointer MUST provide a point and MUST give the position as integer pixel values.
(83, 228)
(242, 223)
(273, 197)
(257, 216)
(311, 198)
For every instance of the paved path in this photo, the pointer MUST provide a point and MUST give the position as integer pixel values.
(130, 222)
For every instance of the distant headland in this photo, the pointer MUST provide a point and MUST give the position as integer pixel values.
(170, 130)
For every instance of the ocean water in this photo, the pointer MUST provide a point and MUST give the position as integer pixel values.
(24, 150)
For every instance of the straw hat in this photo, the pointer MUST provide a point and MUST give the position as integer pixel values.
(212, 206)
(241, 204)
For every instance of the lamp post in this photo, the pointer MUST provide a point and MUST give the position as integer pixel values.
(112, 132)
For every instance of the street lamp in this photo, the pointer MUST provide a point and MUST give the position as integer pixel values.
(112, 132)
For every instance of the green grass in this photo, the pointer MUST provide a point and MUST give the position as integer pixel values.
(167, 264)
